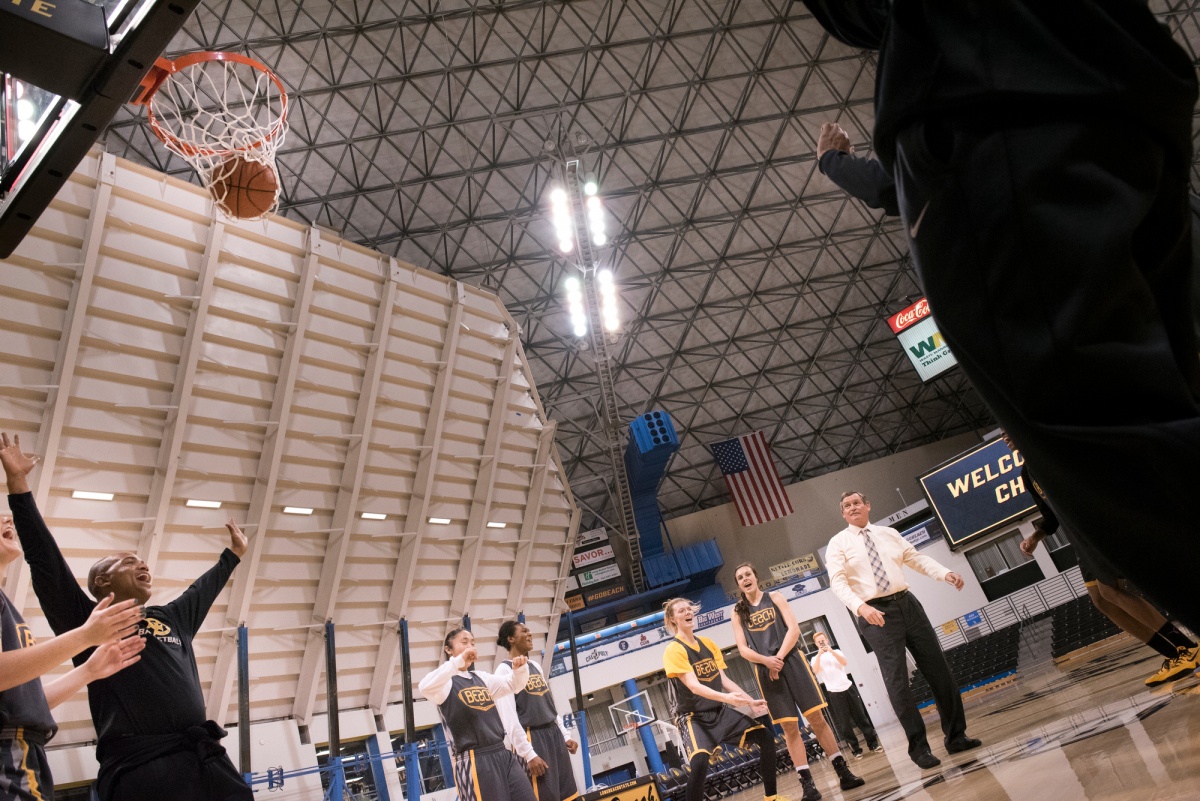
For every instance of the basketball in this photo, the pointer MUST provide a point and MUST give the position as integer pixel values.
(244, 188)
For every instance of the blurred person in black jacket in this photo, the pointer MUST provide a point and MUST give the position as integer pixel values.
(1040, 153)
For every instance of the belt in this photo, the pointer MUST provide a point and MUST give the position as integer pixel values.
(895, 596)
(551, 724)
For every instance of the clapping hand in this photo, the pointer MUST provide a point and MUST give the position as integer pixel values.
(109, 621)
(114, 656)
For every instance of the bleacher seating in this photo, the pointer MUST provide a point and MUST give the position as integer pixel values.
(1077, 624)
(976, 663)
(731, 770)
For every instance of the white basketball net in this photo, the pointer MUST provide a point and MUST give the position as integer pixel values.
(215, 113)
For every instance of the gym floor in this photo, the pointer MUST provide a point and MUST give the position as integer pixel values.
(1084, 731)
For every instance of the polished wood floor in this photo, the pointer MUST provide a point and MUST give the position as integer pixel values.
(1088, 731)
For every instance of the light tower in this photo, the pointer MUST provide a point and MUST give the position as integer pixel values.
(579, 222)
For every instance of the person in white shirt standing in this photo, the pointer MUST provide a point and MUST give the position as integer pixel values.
(847, 708)
(866, 572)
(532, 725)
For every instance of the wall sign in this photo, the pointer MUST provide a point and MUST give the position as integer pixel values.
(978, 491)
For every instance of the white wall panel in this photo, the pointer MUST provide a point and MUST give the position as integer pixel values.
(137, 316)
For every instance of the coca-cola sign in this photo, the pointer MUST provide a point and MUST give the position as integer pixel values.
(910, 316)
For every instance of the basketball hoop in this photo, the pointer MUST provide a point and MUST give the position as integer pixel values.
(226, 115)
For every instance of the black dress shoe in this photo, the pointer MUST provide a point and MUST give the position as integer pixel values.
(926, 761)
(963, 743)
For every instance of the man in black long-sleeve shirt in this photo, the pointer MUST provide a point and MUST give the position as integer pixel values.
(1042, 172)
(154, 741)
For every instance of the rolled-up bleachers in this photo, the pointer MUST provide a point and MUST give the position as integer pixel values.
(976, 663)
(1078, 624)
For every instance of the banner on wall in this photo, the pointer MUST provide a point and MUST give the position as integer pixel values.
(919, 336)
(600, 574)
(574, 602)
(605, 594)
(794, 567)
(590, 538)
(592, 556)
(978, 491)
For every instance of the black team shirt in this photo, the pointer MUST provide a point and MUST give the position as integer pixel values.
(25, 705)
(161, 693)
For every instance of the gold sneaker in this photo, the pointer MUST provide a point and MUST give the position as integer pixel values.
(1176, 668)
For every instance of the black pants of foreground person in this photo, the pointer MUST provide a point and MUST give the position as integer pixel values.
(848, 711)
(1056, 257)
(907, 626)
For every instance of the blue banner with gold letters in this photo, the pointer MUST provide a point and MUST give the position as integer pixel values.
(978, 491)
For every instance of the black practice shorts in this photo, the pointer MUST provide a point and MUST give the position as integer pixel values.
(1094, 569)
(558, 782)
(491, 774)
(24, 774)
(702, 732)
(796, 690)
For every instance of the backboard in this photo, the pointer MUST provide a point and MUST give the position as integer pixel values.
(44, 135)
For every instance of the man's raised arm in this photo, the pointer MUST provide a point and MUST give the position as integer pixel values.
(194, 603)
(65, 604)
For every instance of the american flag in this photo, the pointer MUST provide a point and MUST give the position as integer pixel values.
(752, 479)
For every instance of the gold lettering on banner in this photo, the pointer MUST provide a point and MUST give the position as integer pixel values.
(986, 474)
(40, 7)
(1006, 492)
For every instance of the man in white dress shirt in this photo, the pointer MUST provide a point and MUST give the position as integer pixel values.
(866, 573)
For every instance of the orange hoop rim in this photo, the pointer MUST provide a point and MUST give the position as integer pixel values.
(164, 68)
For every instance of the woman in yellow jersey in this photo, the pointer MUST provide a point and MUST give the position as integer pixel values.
(702, 697)
(766, 634)
(484, 769)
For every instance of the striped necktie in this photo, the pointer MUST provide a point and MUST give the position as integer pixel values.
(881, 579)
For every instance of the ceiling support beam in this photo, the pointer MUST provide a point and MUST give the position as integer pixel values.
(59, 394)
(485, 484)
(417, 517)
(529, 525)
(338, 547)
(558, 604)
(162, 485)
(259, 514)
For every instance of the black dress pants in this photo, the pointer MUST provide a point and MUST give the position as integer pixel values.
(906, 626)
(848, 711)
(1056, 256)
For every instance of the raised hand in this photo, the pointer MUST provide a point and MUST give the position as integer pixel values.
(17, 464)
(470, 655)
(114, 656)
(109, 621)
(237, 540)
(519, 662)
(956, 580)
(832, 137)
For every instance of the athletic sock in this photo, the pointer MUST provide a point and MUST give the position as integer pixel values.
(1174, 636)
(834, 755)
(802, 769)
(1159, 642)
